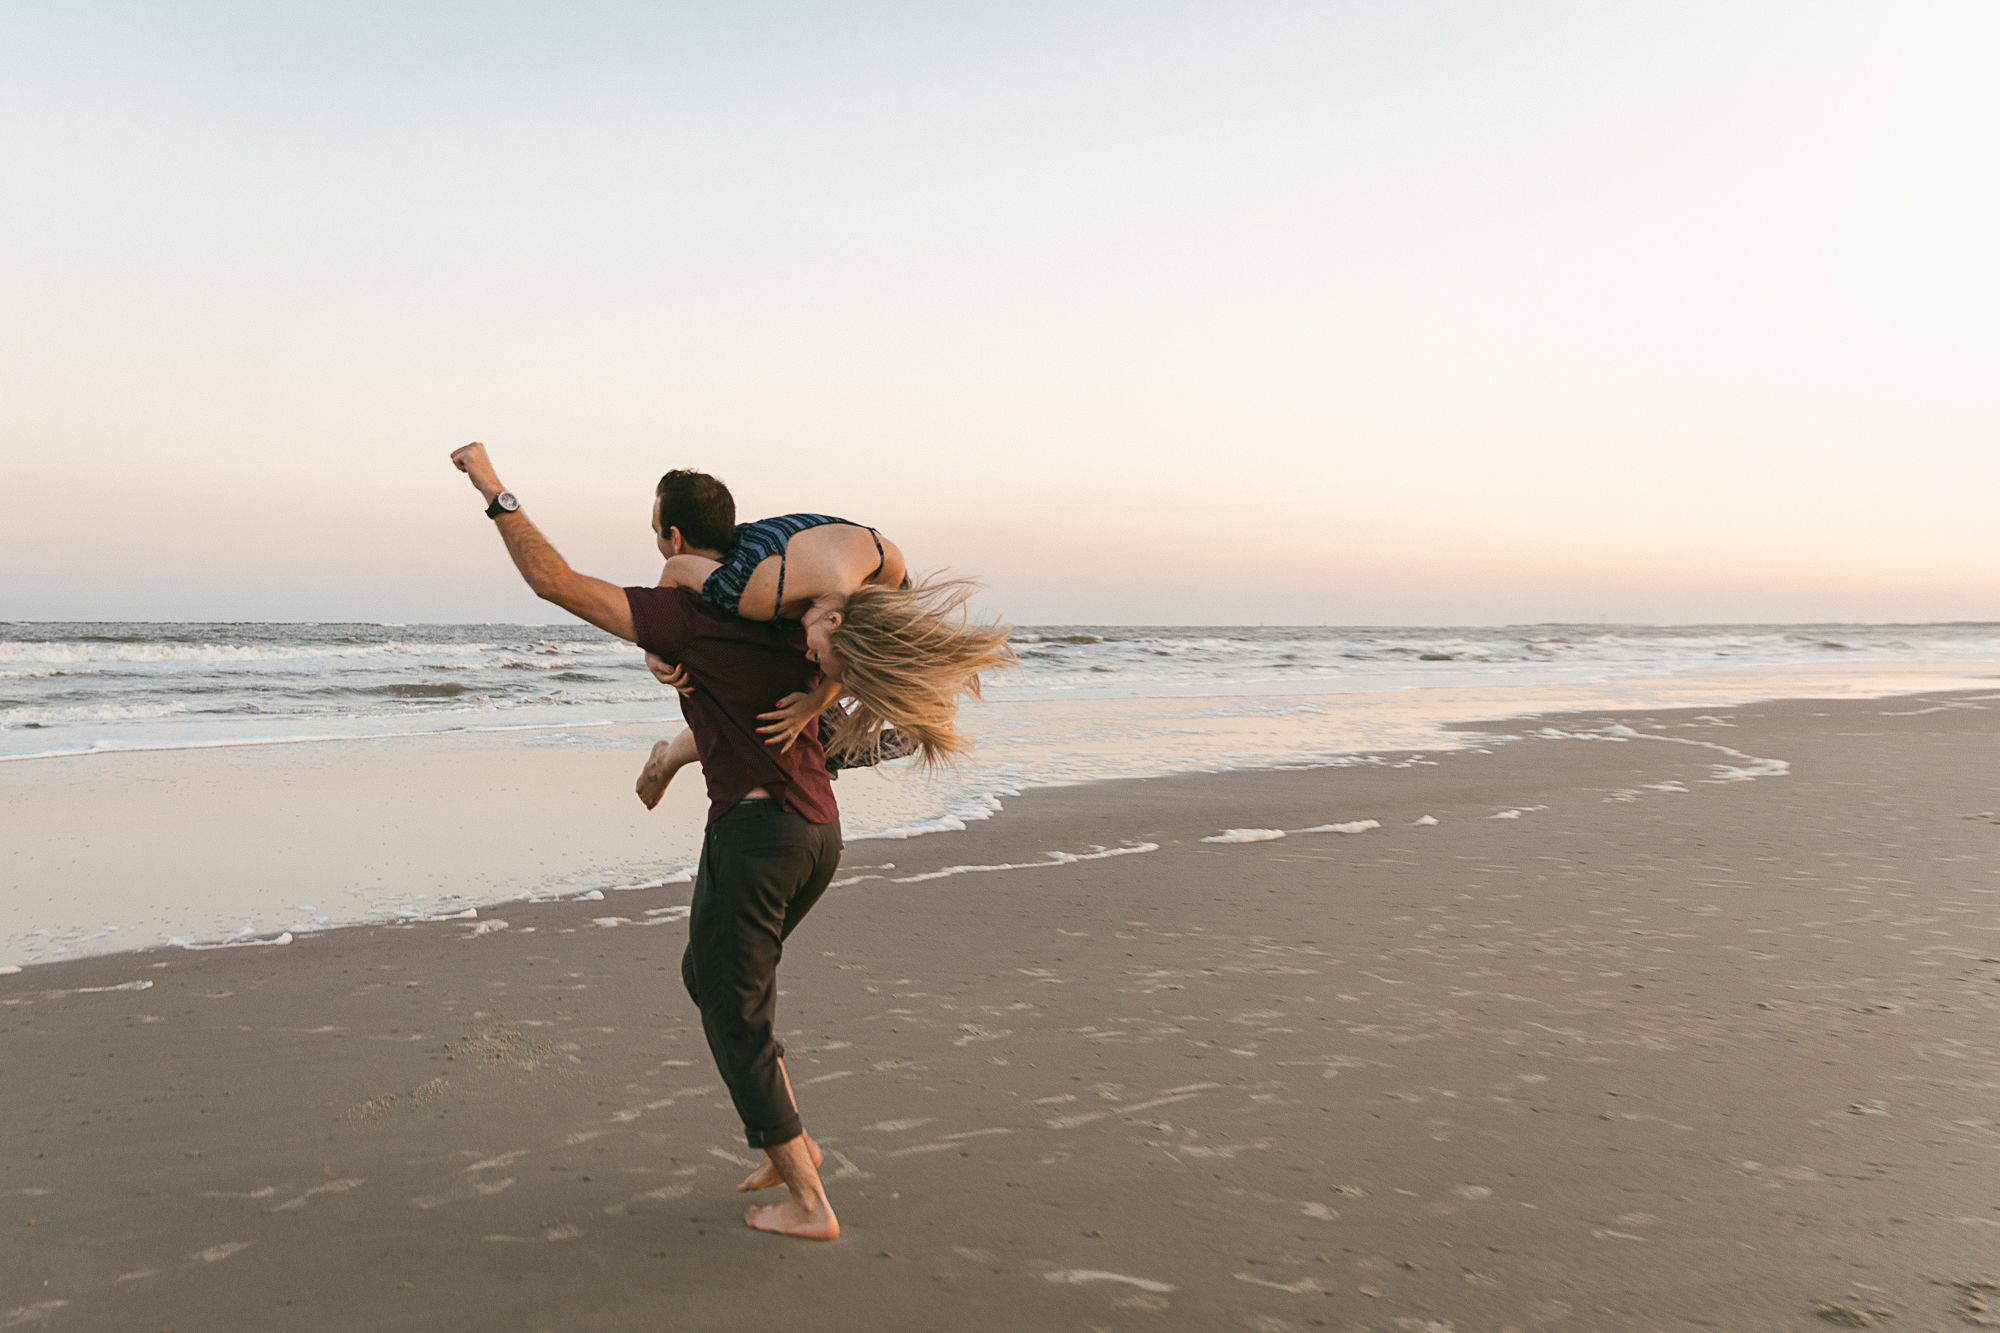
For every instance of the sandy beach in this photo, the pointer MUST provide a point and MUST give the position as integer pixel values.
(1452, 547)
(1638, 1034)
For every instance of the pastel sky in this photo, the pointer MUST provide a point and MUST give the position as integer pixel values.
(1154, 312)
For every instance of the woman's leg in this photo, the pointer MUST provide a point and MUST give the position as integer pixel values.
(667, 759)
(889, 744)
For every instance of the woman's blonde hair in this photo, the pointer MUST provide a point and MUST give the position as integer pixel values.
(906, 654)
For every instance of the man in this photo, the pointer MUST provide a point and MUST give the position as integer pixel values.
(773, 837)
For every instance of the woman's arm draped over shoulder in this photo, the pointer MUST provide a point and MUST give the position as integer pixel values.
(688, 571)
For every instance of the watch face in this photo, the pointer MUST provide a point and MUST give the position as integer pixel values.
(506, 501)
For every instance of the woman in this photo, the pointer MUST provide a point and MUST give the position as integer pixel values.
(901, 654)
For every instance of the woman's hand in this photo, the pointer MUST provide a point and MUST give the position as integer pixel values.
(795, 713)
(666, 674)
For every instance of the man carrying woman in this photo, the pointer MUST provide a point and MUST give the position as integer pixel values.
(772, 842)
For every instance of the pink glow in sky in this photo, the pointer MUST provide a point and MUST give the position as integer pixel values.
(1146, 313)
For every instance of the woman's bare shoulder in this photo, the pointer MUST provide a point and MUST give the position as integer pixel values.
(842, 540)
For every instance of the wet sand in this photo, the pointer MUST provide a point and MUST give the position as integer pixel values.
(1673, 1045)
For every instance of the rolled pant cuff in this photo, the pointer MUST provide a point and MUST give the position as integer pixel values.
(771, 1138)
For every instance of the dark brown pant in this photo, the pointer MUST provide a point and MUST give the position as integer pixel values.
(762, 869)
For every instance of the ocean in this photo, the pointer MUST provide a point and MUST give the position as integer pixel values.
(94, 688)
(202, 785)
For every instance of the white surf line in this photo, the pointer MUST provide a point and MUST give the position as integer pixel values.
(681, 876)
(83, 990)
(321, 740)
(1272, 834)
(1941, 708)
(1755, 767)
(1076, 1277)
(1055, 859)
(662, 916)
(285, 938)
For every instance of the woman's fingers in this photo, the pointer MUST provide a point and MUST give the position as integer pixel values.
(668, 674)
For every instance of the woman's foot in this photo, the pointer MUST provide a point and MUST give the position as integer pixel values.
(766, 1174)
(661, 765)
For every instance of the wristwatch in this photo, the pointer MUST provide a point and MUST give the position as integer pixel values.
(503, 503)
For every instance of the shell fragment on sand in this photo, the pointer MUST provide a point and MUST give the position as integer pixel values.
(1054, 859)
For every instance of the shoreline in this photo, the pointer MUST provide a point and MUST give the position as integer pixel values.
(1488, 699)
(272, 839)
(1657, 1049)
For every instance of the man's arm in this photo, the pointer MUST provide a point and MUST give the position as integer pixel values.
(602, 604)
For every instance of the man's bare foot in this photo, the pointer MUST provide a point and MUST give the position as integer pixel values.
(766, 1174)
(658, 772)
(807, 1213)
(790, 1219)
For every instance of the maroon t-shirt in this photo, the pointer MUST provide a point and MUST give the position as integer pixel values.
(739, 668)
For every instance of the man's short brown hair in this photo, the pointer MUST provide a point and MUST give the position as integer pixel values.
(700, 506)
